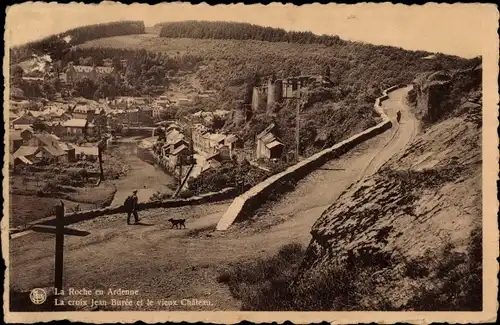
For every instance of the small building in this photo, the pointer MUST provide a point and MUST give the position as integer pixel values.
(26, 155)
(77, 72)
(21, 160)
(23, 122)
(52, 144)
(16, 141)
(178, 155)
(216, 159)
(172, 145)
(19, 137)
(233, 142)
(197, 133)
(41, 153)
(214, 141)
(157, 111)
(75, 127)
(268, 145)
(107, 62)
(84, 112)
(86, 153)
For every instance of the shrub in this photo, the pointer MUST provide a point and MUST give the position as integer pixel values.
(261, 284)
(186, 194)
(158, 196)
(275, 284)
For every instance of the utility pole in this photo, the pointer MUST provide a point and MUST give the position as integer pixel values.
(180, 171)
(100, 145)
(297, 128)
(59, 252)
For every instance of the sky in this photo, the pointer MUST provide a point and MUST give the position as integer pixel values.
(457, 29)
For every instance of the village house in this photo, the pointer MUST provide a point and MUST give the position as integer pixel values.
(16, 141)
(86, 153)
(44, 147)
(268, 146)
(216, 159)
(19, 105)
(107, 62)
(76, 127)
(179, 155)
(157, 111)
(233, 143)
(84, 112)
(77, 72)
(211, 142)
(23, 122)
(163, 101)
(197, 132)
(54, 113)
(18, 137)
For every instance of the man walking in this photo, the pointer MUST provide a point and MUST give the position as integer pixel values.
(131, 207)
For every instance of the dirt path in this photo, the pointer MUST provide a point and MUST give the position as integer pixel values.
(144, 177)
(174, 264)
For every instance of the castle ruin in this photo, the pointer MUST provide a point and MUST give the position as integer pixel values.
(276, 90)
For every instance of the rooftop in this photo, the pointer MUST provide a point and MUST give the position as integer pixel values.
(216, 137)
(88, 151)
(179, 149)
(54, 151)
(273, 144)
(266, 131)
(76, 122)
(231, 138)
(15, 135)
(24, 151)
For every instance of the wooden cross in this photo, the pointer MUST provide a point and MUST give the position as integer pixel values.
(60, 231)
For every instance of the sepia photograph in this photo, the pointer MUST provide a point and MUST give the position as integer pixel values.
(174, 158)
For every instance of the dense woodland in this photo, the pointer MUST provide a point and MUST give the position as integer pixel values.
(241, 31)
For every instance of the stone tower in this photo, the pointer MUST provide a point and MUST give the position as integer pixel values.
(273, 91)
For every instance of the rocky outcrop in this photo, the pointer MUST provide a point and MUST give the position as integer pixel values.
(435, 94)
(406, 231)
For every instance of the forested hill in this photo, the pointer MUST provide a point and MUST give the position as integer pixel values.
(59, 44)
(241, 31)
(267, 50)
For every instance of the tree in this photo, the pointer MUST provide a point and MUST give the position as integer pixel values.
(49, 89)
(17, 73)
(86, 87)
(38, 126)
(217, 122)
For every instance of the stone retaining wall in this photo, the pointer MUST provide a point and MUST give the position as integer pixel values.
(252, 199)
(221, 195)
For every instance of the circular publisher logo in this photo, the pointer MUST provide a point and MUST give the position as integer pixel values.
(38, 296)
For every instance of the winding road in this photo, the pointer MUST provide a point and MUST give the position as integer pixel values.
(174, 264)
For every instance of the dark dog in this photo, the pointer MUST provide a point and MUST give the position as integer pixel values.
(178, 223)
